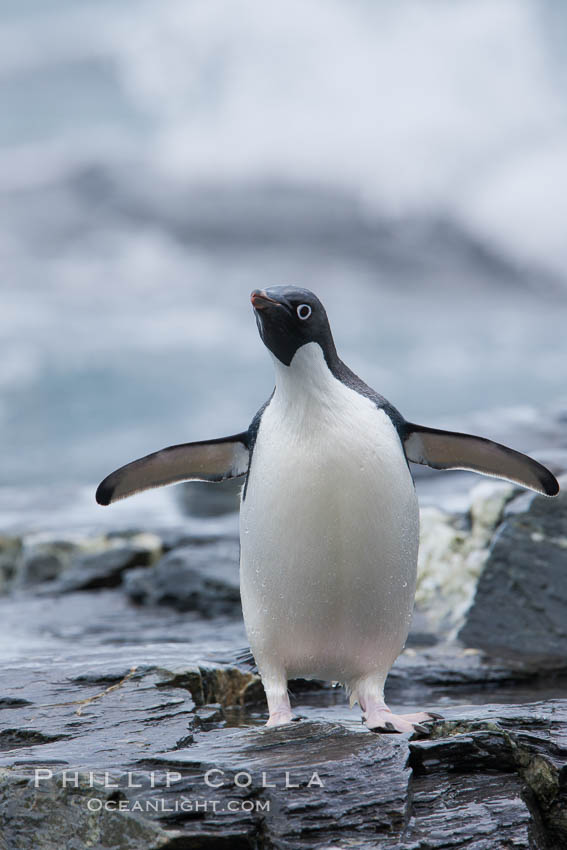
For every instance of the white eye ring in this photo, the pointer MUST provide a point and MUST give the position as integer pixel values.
(304, 311)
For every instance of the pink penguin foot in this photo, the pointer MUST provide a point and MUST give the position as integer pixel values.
(382, 720)
(280, 718)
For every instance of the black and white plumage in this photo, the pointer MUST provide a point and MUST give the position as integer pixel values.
(329, 516)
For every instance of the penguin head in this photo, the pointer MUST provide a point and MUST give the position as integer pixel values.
(289, 317)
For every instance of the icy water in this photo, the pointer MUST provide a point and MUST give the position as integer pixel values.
(162, 159)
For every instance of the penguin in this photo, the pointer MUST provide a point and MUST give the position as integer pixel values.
(329, 517)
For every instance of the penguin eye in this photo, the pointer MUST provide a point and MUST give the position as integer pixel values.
(304, 311)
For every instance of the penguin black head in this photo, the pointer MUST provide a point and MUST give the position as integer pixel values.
(289, 317)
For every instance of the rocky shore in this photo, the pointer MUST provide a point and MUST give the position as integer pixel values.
(131, 717)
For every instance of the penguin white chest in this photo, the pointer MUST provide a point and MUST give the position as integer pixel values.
(329, 530)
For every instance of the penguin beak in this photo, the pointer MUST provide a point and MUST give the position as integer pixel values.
(261, 300)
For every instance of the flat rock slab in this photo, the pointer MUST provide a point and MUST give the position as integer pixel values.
(122, 738)
(194, 577)
(140, 726)
(486, 778)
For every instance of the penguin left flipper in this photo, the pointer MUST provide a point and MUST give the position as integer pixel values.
(209, 460)
(451, 450)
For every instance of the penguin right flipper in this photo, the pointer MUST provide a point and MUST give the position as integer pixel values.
(209, 460)
(452, 450)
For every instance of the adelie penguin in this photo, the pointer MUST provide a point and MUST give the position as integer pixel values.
(329, 517)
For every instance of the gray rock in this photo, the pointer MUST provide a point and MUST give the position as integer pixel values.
(60, 814)
(201, 578)
(485, 777)
(520, 606)
(521, 756)
(137, 693)
(40, 567)
(225, 685)
(490, 778)
(102, 569)
(10, 556)
(452, 552)
(12, 702)
(43, 561)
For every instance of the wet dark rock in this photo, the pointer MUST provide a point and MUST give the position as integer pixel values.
(10, 554)
(486, 777)
(10, 739)
(222, 684)
(44, 561)
(109, 677)
(102, 569)
(191, 578)
(95, 726)
(57, 814)
(12, 702)
(522, 749)
(208, 716)
(520, 606)
(483, 782)
(40, 567)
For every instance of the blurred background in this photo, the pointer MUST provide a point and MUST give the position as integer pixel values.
(159, 159)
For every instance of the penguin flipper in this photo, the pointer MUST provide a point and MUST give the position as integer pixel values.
(209, 460)
(451, 450)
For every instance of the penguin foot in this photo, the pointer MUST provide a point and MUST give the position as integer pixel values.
(382, 720)
(279, 718)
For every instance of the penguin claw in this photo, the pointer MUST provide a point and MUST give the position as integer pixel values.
(386, 728)
(389, 728)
